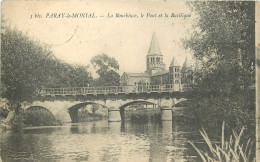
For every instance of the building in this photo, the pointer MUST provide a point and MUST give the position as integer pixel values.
(156, 73)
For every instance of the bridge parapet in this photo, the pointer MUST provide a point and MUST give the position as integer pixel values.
(114, 90)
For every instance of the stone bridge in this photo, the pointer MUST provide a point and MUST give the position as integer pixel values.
(64, 103)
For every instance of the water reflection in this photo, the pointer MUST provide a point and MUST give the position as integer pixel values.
(151, 140)
(167, 127)
(25, 147)
(114, 127)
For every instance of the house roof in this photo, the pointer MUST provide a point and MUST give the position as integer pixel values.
(154, 46)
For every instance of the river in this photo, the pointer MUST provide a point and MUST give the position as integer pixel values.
(103, 141)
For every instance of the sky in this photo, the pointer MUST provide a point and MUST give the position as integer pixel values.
(77, 40)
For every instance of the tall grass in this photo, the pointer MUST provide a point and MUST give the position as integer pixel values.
(229, 150)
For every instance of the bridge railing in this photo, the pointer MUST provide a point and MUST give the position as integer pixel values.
(114, 89)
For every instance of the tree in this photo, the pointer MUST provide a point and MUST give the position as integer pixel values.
(222, 44)
(27, 67)
(224, 38)
(24, 66)
(66, 75)
(107, 69)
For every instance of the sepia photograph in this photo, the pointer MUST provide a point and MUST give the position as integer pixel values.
(129, 81)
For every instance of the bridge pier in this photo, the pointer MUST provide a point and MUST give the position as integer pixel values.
(114, 115)
(166, 113)
(74, 116)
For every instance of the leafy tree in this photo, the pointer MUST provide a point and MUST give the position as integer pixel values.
(66, 75)
(107, 69)
(25, 65)
(224, 38)
(222, 44)
(28, 66)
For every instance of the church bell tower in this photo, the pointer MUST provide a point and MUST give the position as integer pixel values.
(154, 58)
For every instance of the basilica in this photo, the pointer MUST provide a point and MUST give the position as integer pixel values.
(156, 72)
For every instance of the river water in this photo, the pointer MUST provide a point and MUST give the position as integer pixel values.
(103, 141)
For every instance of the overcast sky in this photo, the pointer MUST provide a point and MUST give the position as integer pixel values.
(127, 39)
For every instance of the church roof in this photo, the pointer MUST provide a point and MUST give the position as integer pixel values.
(138, 74)
(175, 62)
(154, 46)
(163, 72)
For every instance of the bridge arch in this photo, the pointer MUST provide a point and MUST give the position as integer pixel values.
(78, 106)
(135, 102)
(34, 108)
(73, 110)
(122, 108)
(39, 115)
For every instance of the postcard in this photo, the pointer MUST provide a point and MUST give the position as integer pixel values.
(129, 81)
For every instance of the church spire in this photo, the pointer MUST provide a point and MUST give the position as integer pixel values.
(175, 62)
(185, 63)
(172, 63)
(154, 46)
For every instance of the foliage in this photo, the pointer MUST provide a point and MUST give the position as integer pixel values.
(210, 109)
(66, 75)
(17, 122)
(3, 113)
(94, 108)
(229, 150)
(107, 69)
(28, 66)
(24, 65)
(221, 29)
(222, 44)
(222, 40)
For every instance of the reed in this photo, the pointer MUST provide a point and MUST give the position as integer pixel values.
(229, 150)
